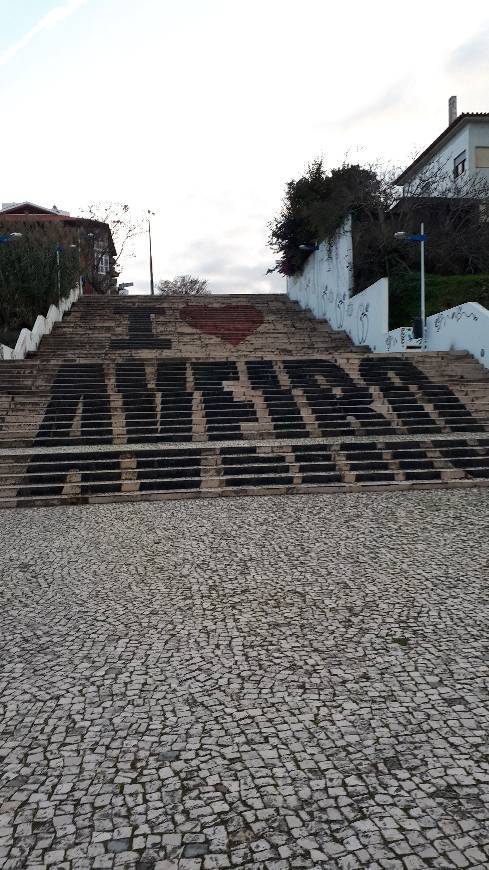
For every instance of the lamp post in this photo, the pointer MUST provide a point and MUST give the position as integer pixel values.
(91, 262)
(58, 271)
(151, 281)
(311, 248)
(421, 238)
(59, 248)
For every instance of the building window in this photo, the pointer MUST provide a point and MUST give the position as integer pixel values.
(459, 165)
(104, 265)
(482, 157)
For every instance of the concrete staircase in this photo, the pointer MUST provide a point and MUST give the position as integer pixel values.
(147, 398)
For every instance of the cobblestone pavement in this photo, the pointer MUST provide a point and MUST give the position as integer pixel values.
(278, 683)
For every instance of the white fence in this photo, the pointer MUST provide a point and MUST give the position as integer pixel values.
(29, 339)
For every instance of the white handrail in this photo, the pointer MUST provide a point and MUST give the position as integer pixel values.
(29, 339)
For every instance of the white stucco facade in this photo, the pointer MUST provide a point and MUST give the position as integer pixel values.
(440, 164)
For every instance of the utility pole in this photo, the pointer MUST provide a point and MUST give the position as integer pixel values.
(423, 288)
(58, 273)
(420, 323)
(152, 284)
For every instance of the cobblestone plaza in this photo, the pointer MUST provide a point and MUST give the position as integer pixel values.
(283, 682)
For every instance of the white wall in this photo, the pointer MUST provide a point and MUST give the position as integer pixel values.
(365, 316)
(465, 327)
(326, 280)
(324, 288)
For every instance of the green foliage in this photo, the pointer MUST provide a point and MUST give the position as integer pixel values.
(315, 206)
(442, 292)
(28, 273)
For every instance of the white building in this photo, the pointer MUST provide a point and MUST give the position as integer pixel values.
(457, 158)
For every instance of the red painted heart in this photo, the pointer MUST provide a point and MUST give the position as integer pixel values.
(231, 323)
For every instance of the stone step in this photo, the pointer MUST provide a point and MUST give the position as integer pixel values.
(176, 407)
(222, 431)
(444, 363)
(449, 366)
(403, 453)
(96, 404)
(280, 380)
(119, 373)
(130, 380)
(51, 478)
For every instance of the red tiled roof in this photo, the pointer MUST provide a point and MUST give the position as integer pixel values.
(27, 207)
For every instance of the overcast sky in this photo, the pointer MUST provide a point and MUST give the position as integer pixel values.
(202, 110)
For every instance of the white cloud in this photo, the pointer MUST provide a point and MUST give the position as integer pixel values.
(47, 22)
(471, 55)
(383, 105)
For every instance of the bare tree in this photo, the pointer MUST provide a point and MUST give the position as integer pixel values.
(125, 227)
(454, 210)
(438, 178)
(183, 285)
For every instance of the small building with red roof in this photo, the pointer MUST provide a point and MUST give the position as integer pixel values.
(93, 238)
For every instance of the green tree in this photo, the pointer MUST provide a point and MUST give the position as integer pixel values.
(29, 272)
(314, 208)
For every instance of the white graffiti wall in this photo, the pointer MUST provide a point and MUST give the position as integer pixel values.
(325, 289)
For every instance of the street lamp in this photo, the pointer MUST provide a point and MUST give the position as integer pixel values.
(421, 238)
(58, 272)
(314, 247)
(91, 260)
(151, 281)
